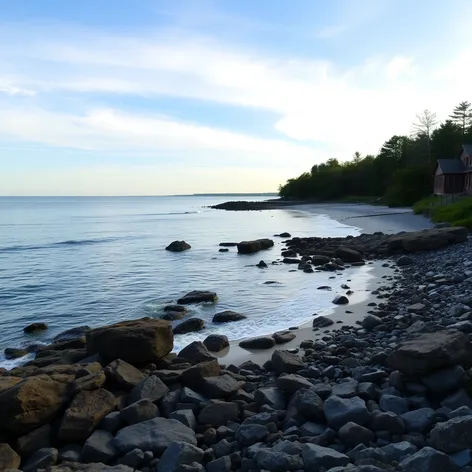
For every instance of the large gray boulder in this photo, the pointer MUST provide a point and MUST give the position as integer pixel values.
(431, 351)
(285, 362)
(154, 435)
(453, 435)
(316, 457)
(99, 447)
(179, 454)
(277, 461)
(178, 246)
(151, 387)
(339, 411)
(198, 296)
(428, 460)
(218, 413)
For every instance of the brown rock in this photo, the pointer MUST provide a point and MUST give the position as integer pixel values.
(8, 382)
(192, 377)
(30, 403)
(35, 327)
(196, 352)
(432, 351)
(124, 374)
(35, 440)
(85, 413)
(9, 459)
(189, 326)
(138, 342)
(285, 362)
(89, 382)
(216, 342)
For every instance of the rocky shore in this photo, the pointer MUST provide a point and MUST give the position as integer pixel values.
(393, 392)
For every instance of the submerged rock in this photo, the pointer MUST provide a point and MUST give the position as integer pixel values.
(261, 342)
(178, 246)
(189, 326)
(198, 296)
(341, 300)
(216, 342)
(227, 316)
(35, 328)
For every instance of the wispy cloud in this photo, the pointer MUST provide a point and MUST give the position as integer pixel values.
(9, 88)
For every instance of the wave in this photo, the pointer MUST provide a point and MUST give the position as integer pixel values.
(68, 242)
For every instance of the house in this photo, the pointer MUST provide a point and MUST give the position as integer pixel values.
(454, 176)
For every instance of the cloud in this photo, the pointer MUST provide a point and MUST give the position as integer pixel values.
(7, 87)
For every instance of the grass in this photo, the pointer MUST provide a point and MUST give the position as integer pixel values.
(360, 199)
(458, 213)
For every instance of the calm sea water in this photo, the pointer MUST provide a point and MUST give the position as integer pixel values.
(95, 261)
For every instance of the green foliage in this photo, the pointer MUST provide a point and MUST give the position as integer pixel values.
(455, 213)
(401, 173)
(424, 205)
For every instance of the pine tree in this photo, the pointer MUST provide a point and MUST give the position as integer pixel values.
(462, 116)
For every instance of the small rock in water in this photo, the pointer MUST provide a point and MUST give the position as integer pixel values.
(262, 265)
(178, 246)
(223, 249)
(35, 327)
(340, 300)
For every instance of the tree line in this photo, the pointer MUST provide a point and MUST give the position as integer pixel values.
(401, 173)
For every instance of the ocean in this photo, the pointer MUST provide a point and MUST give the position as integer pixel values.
(98, 260)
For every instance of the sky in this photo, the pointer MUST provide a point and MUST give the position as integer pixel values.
(162, 97)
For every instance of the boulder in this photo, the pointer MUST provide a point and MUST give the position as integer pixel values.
(123, 374)
(418, 421)
(261, 265)
(186, 417)
(286, 362)
(142, 410)
(89, 382)
(228, 244)
(189, 326)
(431, 351)
(41, 460)
(192, 377)
(137, 342)
(218, 413)
(71, 334)
(151, 387)
(198, 296)
(453, 435)
(340, 300)
(8, 382)
(250, 247)
(278, 461)
(282, 337)
(307, 403)
(84, 414)
(35, 328)
(261, 342)
(99, 447)
(9, 459)
(177, 455)
(249, 434)
(428, 460)
(196, 352)
(271, 396)
(445, 380)
(30, 404)
(404, 261)
(348, 255)
(37, 439)
(370, 322)
(322, 322)
(291, 383)
(178, 246)
(339, 411)
(13, 353)
(216, 342)
(352, 434)
(219, 387)
(154, 435)
(228, 315)
(316, 457)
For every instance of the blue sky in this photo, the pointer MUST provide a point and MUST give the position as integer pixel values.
(167, 97)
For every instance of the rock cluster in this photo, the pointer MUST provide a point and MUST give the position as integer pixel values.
(392, 393)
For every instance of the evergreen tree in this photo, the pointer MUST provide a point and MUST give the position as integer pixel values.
(424, 127)
(462, 116)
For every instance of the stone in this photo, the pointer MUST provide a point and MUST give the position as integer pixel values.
(132, 459)
(137, 342)
(192, 377)
(418, 421)
(276, 461)
(198, 296)
(89, 382)
(8, 382)
(286, 362)
(282, 337)
(216, 342)
(348, 255)
(99, 447)
(228, 316)
(270, 396)
(445, 380)
(417, 308)
(219, 387)
(316, 457)
(397, 451)
(404, 261)
(345, 389)
(178, 246)
(35, 328)
(196, 352)
(177, 455)
(339, 411)
(112, 422)
(452, 435)
(322, 322)
(151, 387)
(153, 435)
(13, 353)
(352, 434)
(84, 414)
(457, 399)
(261, 342)
(186, 417)
(222, 464)
(37, 439)
(370, 322)
(189, 396)
(41, 459)
(31, 403)
(340, 300)
(70, 453)
(428, 460)
(431, 351)
(290, 383)
(123, 374)
(189, 326)
(307, 403)
(397, 405)
(142, 410)
(218, 413)
(249, 434)
(9, 459)
(71, 334)
(387, 421)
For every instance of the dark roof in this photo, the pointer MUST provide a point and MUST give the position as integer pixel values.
(467, 148)
(451, 166)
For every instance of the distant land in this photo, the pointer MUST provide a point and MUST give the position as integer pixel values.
(270, 194)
